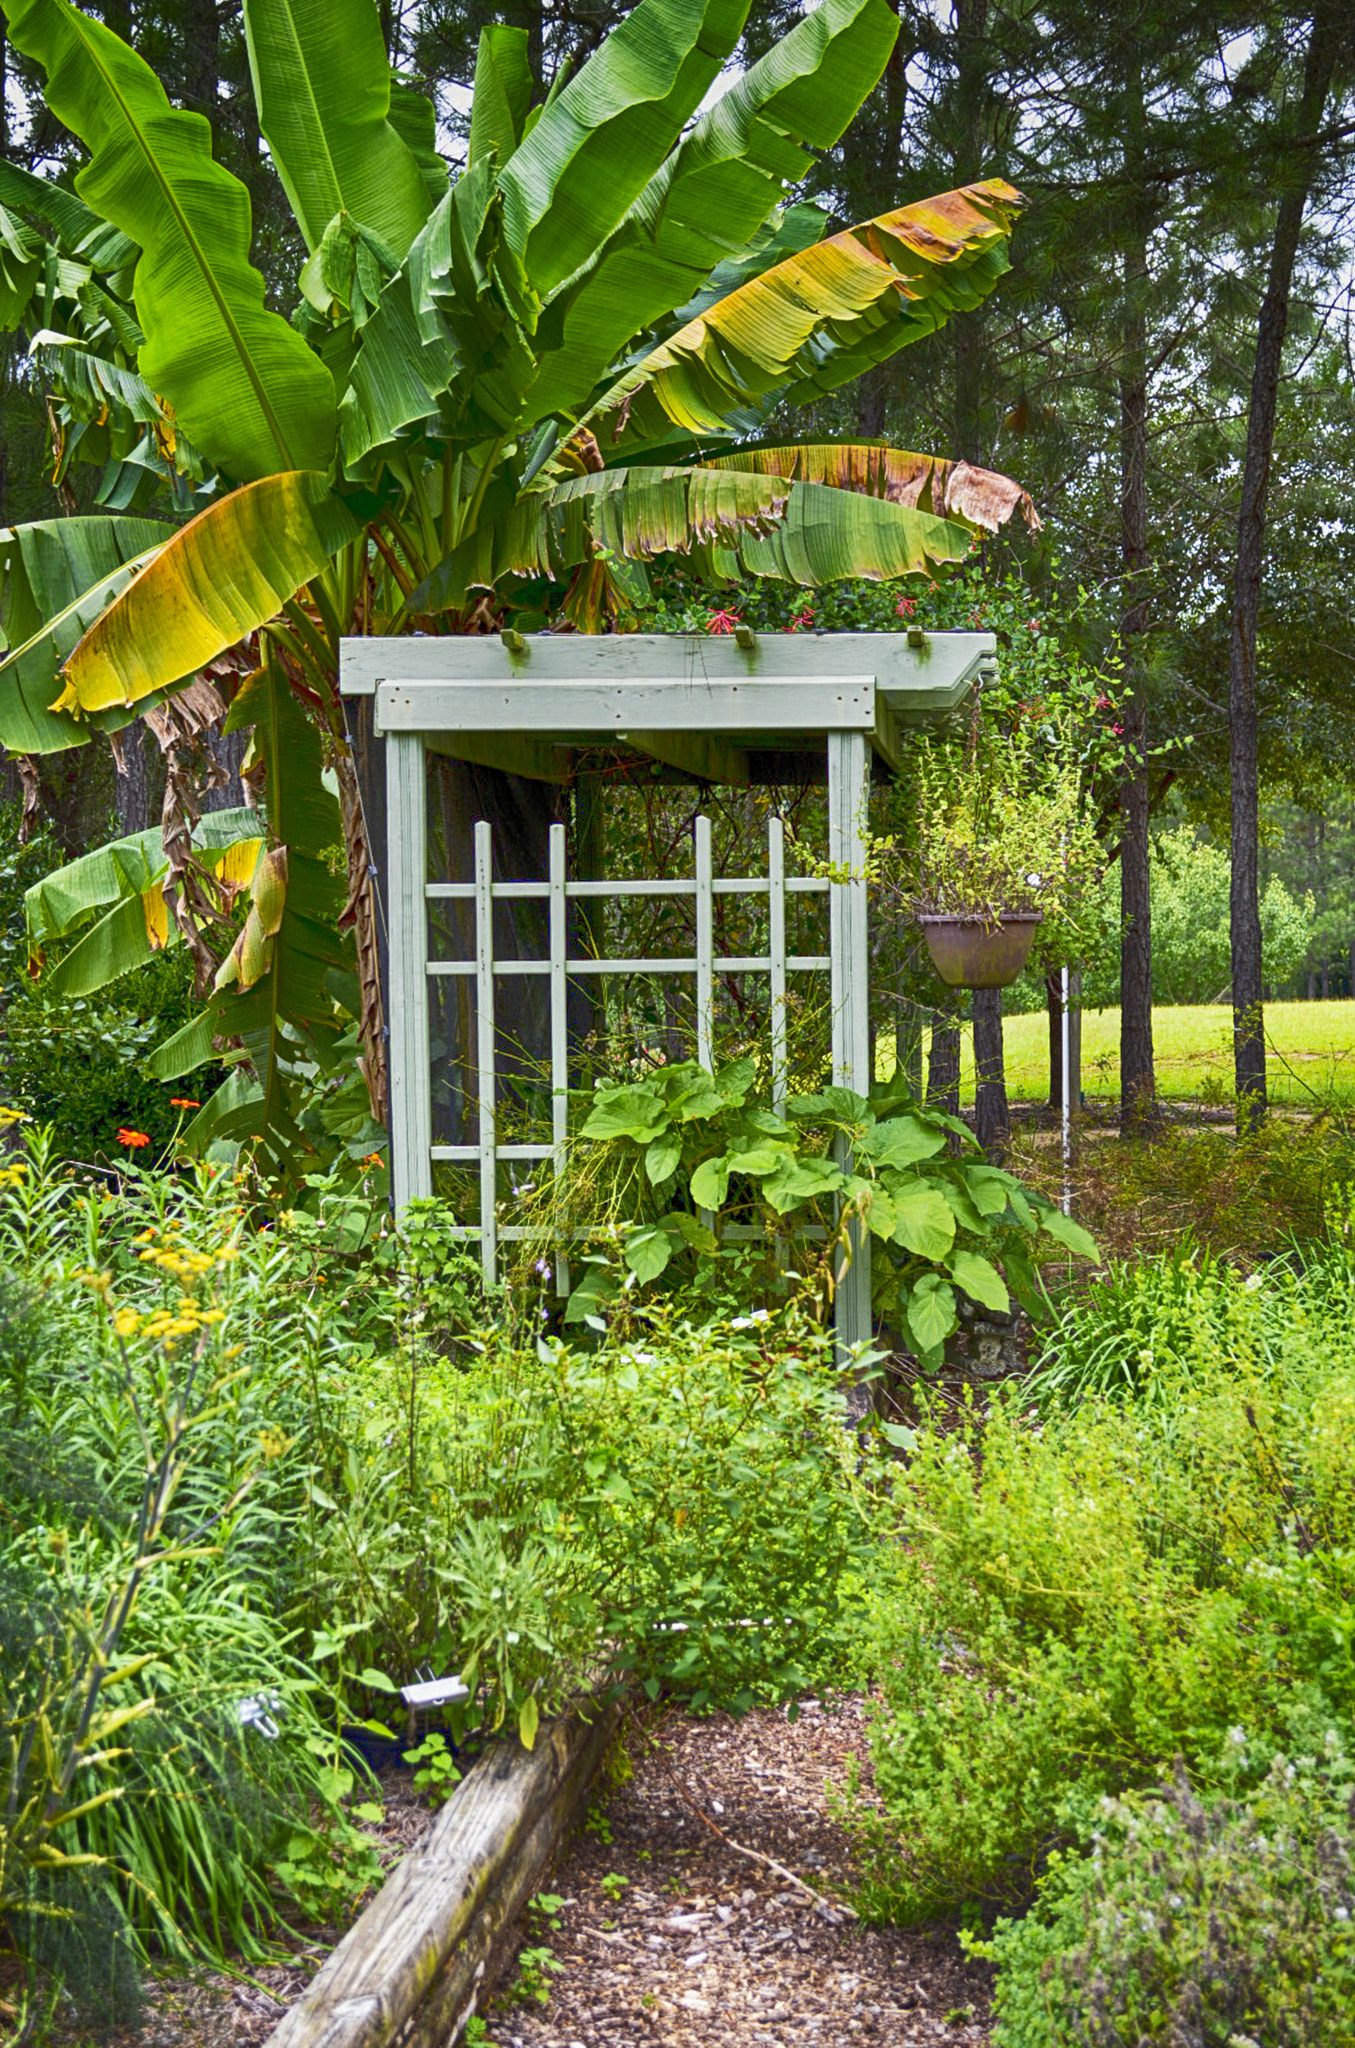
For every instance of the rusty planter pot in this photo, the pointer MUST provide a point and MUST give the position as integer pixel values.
(967, 952)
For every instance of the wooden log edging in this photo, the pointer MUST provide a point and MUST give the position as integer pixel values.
(411, 1971)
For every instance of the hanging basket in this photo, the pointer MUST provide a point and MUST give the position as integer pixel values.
(969, 952)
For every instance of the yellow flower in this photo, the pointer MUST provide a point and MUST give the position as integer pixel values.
(126, 1322)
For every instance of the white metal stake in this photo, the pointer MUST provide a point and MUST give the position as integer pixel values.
(1067, 1100)
(559, 1041)
(484, 1020)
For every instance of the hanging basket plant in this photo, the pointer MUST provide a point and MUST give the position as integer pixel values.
(972, 952)
(1003, 851)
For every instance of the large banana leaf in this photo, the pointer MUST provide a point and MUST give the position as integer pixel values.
(74, 225)
(287, 1013)
(123, 868)
(979, 498)
(247, 388)
(221, 577)
(600, 141)
(58, 576)
(444, 344)
(322, 86)
(139, 924)
(817, 320)
(503, 92)
(713, 193)
(804, 533)
(415, 120)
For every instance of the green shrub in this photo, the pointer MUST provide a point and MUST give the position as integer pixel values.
(1220, 1921)
(1083, 1601)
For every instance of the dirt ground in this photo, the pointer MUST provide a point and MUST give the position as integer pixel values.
(703, 1946)
(665, 1935)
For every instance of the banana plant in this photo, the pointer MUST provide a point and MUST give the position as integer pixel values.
(500, 394)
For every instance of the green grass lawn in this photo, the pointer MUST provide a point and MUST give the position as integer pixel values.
(1311, 1053)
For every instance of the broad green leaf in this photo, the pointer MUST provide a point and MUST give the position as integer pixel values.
(926, 1225)
(735, 1080)
(1062, 1228)
(881, 1214)
(647, 1253)
(980, 499)
(818, 319)
(243, 383)
(712, 194)
(800, 1180)
(661, 1159)
(629, 1112)
(758, 1160)
(59, 574)
(693, 1232)
(504, 87)
(529, 1721)
(598, 143)
(967, 1213)
(322, 86)
(989, 1189)
(899, 1434)
(980, 1280)
(710, 1182)
(226, 573)
(902, 1141)
(931, 1312)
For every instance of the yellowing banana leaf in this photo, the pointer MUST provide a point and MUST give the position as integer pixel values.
(244, 384)
(252, 954)
(322, 87)
(288, 1010)
(713, 193)
(596, 146)
(221, 577)
(817, 320)
(830, 534)
(638, 513)
(805, 533)
(130, 874)
(979, 498)
(58, 576)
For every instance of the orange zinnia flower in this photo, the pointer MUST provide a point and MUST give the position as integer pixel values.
(183, 1102)
(133, 1139)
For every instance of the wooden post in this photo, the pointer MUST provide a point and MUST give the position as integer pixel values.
(411, 1104)
(849, 947)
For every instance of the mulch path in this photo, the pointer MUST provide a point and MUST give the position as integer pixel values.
(703, 1947)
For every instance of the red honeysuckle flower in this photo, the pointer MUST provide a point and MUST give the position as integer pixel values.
(723, 622)
(905, 607)
(804, 618)
(134, 1140)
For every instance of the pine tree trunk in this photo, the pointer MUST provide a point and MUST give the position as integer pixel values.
(1249, 1045)
(943, 1065)
(992, 1115)
(1138, 1081)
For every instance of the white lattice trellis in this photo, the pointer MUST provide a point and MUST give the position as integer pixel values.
(712, 712)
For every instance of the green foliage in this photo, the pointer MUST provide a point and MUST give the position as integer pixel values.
(1087, 1601)
(78, 1062)
(1212, 1918)
(681, 1154)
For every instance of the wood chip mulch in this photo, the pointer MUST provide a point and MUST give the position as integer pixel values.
(703, 1947)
